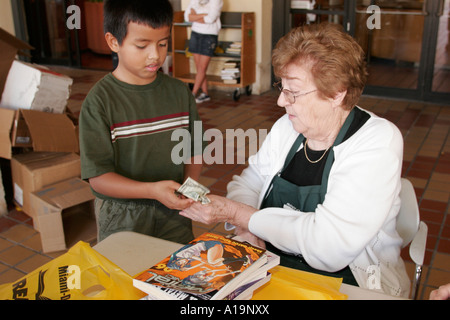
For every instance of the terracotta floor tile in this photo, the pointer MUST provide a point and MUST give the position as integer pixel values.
(6, 223)
(4, 244)
(33, 263)
(436, 206)
(3, 268)
(441, 196)
(18, 233)
(443, 168)
(15, 254)
(19, 215)
(10, 275)
(446, 232)
(442, 261)
(418, 182)
(439, 185)
(444, 246)
(34, 242)
(431, 216)
(437, 277)
(425, 120)
(419, 174)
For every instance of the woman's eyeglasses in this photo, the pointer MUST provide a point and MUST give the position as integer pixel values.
(290, 95)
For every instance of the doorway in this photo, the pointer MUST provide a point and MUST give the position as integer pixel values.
(408, 54)
(406, 42)
(43, 23)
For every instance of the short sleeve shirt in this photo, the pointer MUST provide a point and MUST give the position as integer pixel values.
(127, 129)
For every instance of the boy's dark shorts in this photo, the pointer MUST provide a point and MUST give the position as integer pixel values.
(147, 217)
(203, 44)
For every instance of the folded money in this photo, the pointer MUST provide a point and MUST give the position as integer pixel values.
(194, 190)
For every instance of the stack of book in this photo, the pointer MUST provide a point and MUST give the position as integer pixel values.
(230, 72)
(211, 267)
(234, 48)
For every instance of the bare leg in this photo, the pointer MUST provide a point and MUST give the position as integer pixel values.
(201, 63)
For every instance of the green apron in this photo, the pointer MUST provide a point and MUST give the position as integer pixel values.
(282, 193)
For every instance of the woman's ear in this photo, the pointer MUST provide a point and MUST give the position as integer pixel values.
(339, 98)
(112, 42)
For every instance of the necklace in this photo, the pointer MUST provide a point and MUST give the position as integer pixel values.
(306, 155)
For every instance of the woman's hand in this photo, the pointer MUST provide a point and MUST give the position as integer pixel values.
(220, 209)
(246, 235)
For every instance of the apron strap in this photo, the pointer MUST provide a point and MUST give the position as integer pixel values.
(300, 139)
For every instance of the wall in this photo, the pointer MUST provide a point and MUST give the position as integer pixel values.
(263, 33)
(6, 17)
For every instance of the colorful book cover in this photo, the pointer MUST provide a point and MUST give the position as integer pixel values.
(203, 267)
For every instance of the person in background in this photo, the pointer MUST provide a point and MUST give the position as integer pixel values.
(322, 192)
(205, 18)
(126, 124)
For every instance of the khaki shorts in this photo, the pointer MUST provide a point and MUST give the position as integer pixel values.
(147, 217)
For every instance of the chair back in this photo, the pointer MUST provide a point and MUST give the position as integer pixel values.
(408, 217)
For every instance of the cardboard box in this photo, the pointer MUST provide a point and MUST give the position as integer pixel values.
(42, 131)
(64, 214)
(29, 86)
(10, 46)
(6, 124)
(36, 170)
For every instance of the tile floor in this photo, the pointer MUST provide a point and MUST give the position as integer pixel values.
(425, 128)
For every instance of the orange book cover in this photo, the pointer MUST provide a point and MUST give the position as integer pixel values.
(201, 268)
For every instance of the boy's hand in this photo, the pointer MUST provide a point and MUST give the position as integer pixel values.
(164, 192)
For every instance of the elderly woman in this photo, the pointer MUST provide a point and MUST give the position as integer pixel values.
(323, 190)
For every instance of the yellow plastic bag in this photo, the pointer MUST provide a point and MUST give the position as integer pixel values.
(292, 284)
(79, 274)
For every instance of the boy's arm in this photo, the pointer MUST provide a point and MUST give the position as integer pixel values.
(114, 185)
(194, 169)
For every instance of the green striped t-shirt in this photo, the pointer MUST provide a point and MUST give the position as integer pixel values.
(128, 129)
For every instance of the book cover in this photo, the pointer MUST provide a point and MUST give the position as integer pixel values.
(209, 267)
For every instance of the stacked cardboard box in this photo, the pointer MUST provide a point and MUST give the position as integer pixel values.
(33, 171)
(64, 213)
(30, 86)
(40, 139)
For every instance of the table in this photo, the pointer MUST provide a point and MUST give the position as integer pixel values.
(134, 252)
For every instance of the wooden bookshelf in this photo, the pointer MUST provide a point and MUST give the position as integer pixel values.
(245, 21)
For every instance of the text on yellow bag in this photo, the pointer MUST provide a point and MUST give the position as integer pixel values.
(79, 274)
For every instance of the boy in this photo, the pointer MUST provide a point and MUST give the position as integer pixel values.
(126, 123)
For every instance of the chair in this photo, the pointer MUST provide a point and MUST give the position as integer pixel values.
(412, 230)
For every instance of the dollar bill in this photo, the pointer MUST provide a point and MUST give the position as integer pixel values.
(194, 190)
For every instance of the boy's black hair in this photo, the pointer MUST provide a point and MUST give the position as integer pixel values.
(119, 13)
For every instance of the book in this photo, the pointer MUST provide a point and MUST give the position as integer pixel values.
(230, 81)
(211, 267)
(232, 64)
(234, 48)
(230, 72)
